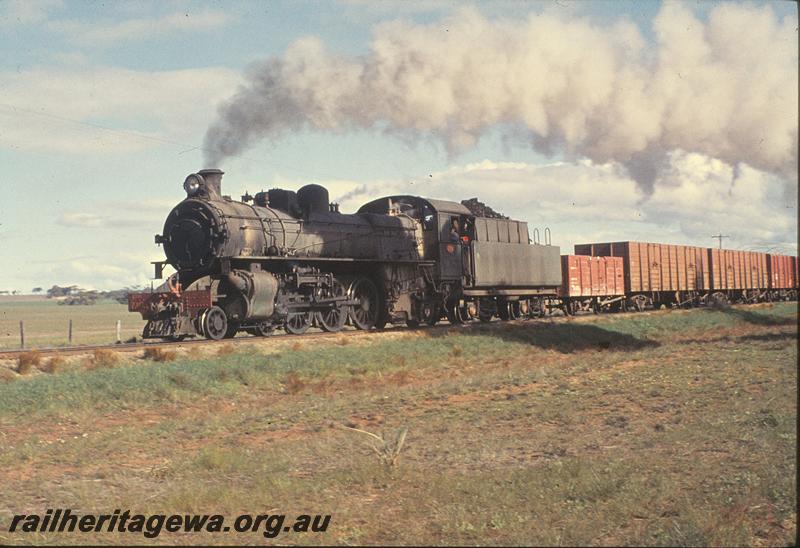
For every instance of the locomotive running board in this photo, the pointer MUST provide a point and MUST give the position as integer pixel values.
(507, 292)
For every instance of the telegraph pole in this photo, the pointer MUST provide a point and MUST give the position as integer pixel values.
(719, 237)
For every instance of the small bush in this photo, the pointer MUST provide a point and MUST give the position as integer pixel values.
(102, 357)
(158, 354)
(53, 365)
(27, 361)
(293, 383)
(225, 349)
(181, 380)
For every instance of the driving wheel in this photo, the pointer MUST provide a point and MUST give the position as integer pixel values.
(333, 320)
(297, 323)
(215, 323)
(364, 314)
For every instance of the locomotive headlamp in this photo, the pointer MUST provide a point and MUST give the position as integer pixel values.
(193, 184)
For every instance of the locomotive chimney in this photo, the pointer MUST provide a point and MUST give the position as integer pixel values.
(213, 179)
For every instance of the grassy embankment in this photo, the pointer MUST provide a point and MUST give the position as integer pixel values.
(665, 428)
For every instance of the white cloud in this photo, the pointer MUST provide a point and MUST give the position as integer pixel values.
(110, 32)
(64, 110)
(406, 7)
(704, 196)
(82, 220)
(26, 12)
(105, 222)
(127, 214)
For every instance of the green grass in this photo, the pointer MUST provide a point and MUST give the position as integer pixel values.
(661, 429)
(149, 383)
(47, 323)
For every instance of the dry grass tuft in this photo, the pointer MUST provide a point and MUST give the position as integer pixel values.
(399, 361)
(225, 349)
(194, 353)
(6, 375)
(343, 341)
(102, 358)
(53, 365)
(27, 361)
(296, 346)
(400, 377)
(293, 384)
(322, 387)
(455, 351)
(158, 354)
(387, 450)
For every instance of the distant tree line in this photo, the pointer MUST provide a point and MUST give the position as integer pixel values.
(74, 295)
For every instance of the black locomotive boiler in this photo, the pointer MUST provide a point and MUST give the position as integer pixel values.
(291, 260)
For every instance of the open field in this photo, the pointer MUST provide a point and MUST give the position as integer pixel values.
(663, 428)
(47, 322)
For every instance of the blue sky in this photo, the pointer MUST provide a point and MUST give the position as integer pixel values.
(104, 107)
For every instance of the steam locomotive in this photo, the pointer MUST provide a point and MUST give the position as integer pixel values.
(292, 260)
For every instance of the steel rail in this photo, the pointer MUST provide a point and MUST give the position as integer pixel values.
(133, 347)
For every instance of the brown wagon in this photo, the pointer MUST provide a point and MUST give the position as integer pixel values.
(592, 283)
(657, 274)
(738, 275)
(783, 276)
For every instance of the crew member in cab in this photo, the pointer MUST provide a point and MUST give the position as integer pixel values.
(459, 235)
(455, 231)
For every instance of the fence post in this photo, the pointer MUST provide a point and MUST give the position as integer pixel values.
(69, 333)
(119, 331)
(22, 334)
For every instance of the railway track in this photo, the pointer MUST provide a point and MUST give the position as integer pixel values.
(245, 340)
(134, 347)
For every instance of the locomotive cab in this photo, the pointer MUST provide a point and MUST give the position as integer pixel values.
(436, 219)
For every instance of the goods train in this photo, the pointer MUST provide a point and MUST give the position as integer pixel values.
(292, 260)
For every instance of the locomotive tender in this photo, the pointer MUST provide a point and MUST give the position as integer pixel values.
(292, 260)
